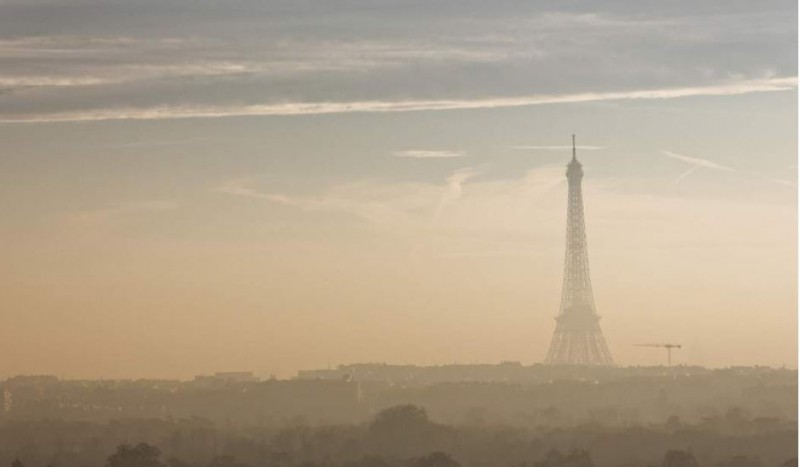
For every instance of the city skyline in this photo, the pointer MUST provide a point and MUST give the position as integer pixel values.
(277, 186)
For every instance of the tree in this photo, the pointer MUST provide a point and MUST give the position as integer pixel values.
(225, 461)
(175, 462)
(404, 431)
(678, 458)
(574, 458)
(551, 459)
(436, 459)
(17, 463)
(368, 461)
(399, 418)
(578, 458)
(141, 455)
(739, 461)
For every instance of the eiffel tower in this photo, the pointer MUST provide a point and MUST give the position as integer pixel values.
(578, 339)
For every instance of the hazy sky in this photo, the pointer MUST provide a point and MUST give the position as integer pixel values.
(192, 186)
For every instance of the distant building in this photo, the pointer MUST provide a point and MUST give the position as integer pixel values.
(224, 378)
(5, 394)
(229, 397)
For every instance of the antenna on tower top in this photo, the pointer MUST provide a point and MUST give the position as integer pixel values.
(573, 147)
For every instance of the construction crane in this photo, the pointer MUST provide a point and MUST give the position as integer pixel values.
(669, 348)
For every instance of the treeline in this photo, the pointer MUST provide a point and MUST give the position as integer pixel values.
(508, 394)
(401, 436)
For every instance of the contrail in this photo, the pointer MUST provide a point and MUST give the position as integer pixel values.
(696, 164)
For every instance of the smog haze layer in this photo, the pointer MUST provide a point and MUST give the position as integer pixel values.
(189, 187)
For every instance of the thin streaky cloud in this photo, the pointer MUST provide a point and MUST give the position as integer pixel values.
(696, 164)
(558, 148)
(242, 187)
(160, 143)
(316, 108)
(379, 204)
(51, 81)
(455, 189)
(687, 173)
(779, 181)
(122, 211)
(428, 154)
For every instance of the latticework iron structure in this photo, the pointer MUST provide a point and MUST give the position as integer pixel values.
(578, 339)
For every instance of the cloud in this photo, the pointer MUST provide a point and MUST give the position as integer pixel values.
(779, 181)
(186, 59)
(696, 164)
(382, 205)
(316, 108)
(469, 216)
(149, 143)
(243, 187)
(392, 204)
(454, 189)
(50, 81)
(428, 154)
(559, 148)
(111, 217)
(131, 208)
(686, 174)
(239, 187)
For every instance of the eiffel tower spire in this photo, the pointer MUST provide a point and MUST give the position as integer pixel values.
(577, 339)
